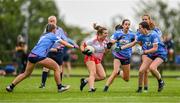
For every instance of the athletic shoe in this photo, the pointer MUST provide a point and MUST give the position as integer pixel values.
(105, 89)
(92, 90)
(42, 86)
(139, 91)
(82, 84)
(9, 88)
(64, 88)
(145, 89)
(161, 86)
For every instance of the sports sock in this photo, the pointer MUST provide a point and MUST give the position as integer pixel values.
(12, 86)
(44, 77)
(159, 80)
(140, 88)
(59, 86)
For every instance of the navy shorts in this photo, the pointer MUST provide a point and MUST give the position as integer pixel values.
(124, 61)
(56, 56)
(66, 57)
(33, 58)
(162, 56)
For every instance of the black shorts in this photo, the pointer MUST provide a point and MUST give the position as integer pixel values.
(56, 56)
(33, 58)
(124, 61)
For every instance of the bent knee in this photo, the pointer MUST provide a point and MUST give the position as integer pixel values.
(103, 77)
(152, 68)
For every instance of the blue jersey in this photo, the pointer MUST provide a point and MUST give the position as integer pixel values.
(44, 44)
(60, 34)
(148, 41)
(157, 30)
(70, 41)
(125, 39)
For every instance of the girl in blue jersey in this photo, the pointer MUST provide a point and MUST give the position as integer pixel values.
(38, 55)
(121, 57)
(56, 52)
(147, 18)
(155, 52)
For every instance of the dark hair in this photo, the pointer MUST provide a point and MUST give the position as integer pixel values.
(125, 21)
(117, 27)
(144, 25)
(50, 27)
(99, 28)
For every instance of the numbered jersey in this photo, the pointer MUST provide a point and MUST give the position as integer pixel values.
(148, 41)
(123, 39)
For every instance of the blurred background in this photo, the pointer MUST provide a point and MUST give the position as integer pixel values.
(23, 21)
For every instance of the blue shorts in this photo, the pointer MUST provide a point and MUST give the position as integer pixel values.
(56, 56)
(33, 58)
(162, 56)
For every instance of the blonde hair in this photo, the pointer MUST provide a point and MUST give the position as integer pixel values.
(151, 22)
(51, 17)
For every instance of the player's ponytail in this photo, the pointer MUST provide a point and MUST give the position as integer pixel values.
(99, 28)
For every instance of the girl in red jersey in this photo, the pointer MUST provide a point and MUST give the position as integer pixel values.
(93, 60)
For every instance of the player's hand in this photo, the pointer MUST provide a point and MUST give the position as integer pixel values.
(109, 45)
(117, 49)
(87, 52)
(76, 46)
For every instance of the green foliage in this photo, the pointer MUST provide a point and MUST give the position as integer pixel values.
(13, 21)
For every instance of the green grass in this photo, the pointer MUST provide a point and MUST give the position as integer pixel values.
(83, 71)
(119, 92)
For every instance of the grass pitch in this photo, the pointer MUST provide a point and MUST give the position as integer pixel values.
(119, 92)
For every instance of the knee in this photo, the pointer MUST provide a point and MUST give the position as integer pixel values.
(141, 71)
(152, 68)
(92, 73)
(26, 74)
(102, 77)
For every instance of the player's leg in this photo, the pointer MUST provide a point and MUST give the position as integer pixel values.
(125, 73)
(100, 73)
(144, 66)
(44, 77)
(153, 67)
(145, 79)
(21, 77)
(113, 75)
(51, 64)
(92, 73)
